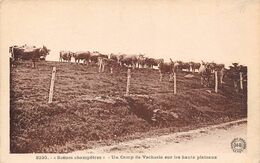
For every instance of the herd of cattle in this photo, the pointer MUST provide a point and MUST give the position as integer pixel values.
(205, 69)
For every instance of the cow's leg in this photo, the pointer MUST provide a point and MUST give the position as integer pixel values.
(221, 78)
(33, 63)
(201, 80)
(235, 85)
(103, 67)
(111, 70)
(171, 77)
(208, 81)
(99, 67)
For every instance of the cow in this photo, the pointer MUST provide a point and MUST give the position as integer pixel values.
(215, 66)
(194, 66)
(117, 57)
(168, 67)
(65, 56)
(28, 53)
(82, 55)
(184, 66)
(219, 68)
(234, 74)
(95, 55)
(150, 62)
(141, 61)
(129, 60)
(205, 73)
(106, 62)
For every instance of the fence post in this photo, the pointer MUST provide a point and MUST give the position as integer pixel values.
(52, 84)
(100, 65)
(128, 81)
(241, 80)
(174, 83)
(216, 81)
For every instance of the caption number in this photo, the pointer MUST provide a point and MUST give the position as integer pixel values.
(41, 157)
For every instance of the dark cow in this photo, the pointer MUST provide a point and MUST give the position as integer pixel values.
(81, 55)
(106, 62)
(194, 66)
(205, 73)
(220, 68)
(168, 67)
(117, 57)
(28, 53)
(234, 74)
(150, 62)
(184, 66)
(216, 67)
(141, 61)
(95, 55)
(65, 56)
(129, 60)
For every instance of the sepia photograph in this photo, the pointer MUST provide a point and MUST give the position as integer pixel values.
(171, 80)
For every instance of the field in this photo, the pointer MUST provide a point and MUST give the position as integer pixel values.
(89, 109)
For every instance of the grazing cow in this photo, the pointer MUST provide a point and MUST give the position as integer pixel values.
(129, 60)
(28, 53)
(205, 72)
(65, 56)
(184, 66)
(169, 67)
(194, 66)
(106, 62)
(82, 55)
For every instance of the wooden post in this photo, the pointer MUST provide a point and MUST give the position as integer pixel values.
(241, 80)
(174, 83)
(128, 81)
(216, 81)
(52, 84)
(100, 65)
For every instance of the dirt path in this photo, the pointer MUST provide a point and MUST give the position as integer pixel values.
(213, 139)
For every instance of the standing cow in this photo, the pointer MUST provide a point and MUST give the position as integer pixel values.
(234, 74)
(205, 73)
(106, 62)
(141, 61)
(168, 67)
(65, 56)
(82, 55)
(130, 60)
(94, 56)
(28, 53)
(184, 66)
(194, 66)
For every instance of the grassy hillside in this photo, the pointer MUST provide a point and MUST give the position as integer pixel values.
(90, 109)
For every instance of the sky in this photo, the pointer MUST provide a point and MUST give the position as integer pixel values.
(210, 30)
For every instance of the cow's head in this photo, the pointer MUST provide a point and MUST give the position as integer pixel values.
(44, 51)
(235, 64)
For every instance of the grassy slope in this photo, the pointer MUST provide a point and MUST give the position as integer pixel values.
(74, 122)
